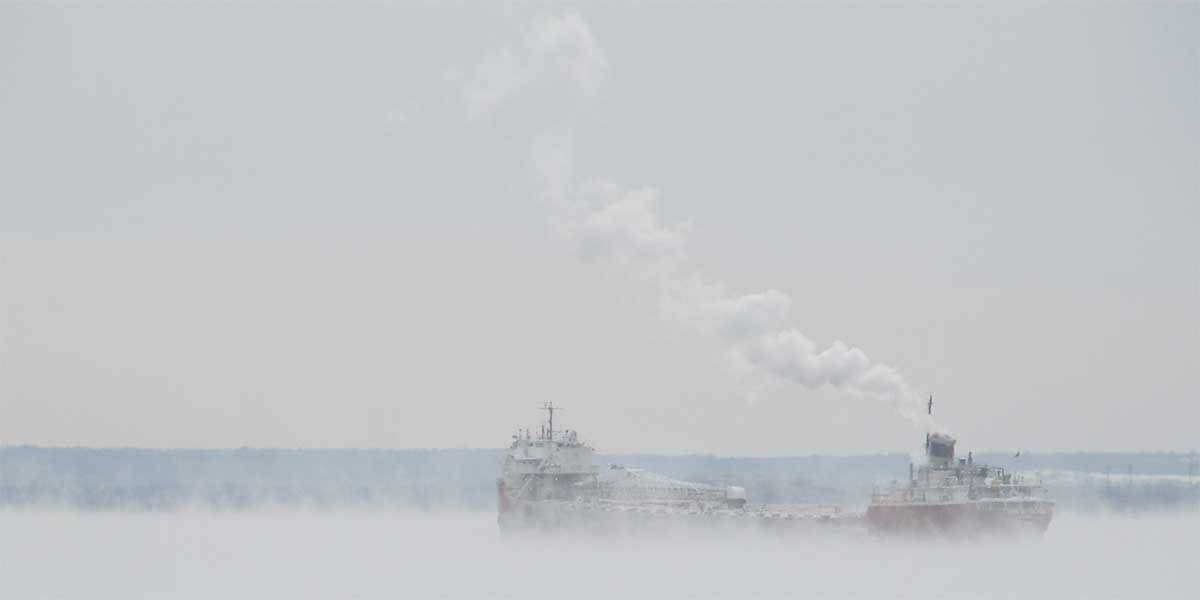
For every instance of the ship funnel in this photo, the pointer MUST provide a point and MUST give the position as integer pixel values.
(941, 451)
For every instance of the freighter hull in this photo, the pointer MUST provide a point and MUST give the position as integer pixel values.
(572, 518)
(1020, 517)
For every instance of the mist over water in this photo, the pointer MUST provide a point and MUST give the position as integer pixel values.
(461, 555)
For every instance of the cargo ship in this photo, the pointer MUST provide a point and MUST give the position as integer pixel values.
(551, 484)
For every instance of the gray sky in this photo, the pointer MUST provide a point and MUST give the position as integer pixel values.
(271, 226)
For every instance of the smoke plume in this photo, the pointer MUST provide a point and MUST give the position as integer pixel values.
(620, 228)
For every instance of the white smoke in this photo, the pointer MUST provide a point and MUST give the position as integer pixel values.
(620, 228)
(556, 49)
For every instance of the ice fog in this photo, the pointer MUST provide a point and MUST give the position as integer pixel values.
(461, 555)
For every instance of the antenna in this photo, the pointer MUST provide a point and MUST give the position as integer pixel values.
(549, 407)
(930, 408)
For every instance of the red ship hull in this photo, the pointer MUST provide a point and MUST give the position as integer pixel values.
(962, 519)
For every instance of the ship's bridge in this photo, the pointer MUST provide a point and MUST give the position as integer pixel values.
(550, 452)
(561, 453)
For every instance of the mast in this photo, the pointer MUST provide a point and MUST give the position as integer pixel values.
(929, 410)
(550, 408)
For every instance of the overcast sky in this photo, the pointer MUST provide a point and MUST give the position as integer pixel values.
(330, 226)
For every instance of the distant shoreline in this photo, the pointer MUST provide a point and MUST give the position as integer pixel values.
(248, 478)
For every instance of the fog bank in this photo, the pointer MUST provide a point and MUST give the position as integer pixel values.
(462, 556)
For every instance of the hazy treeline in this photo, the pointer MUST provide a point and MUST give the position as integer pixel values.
(143, 479)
